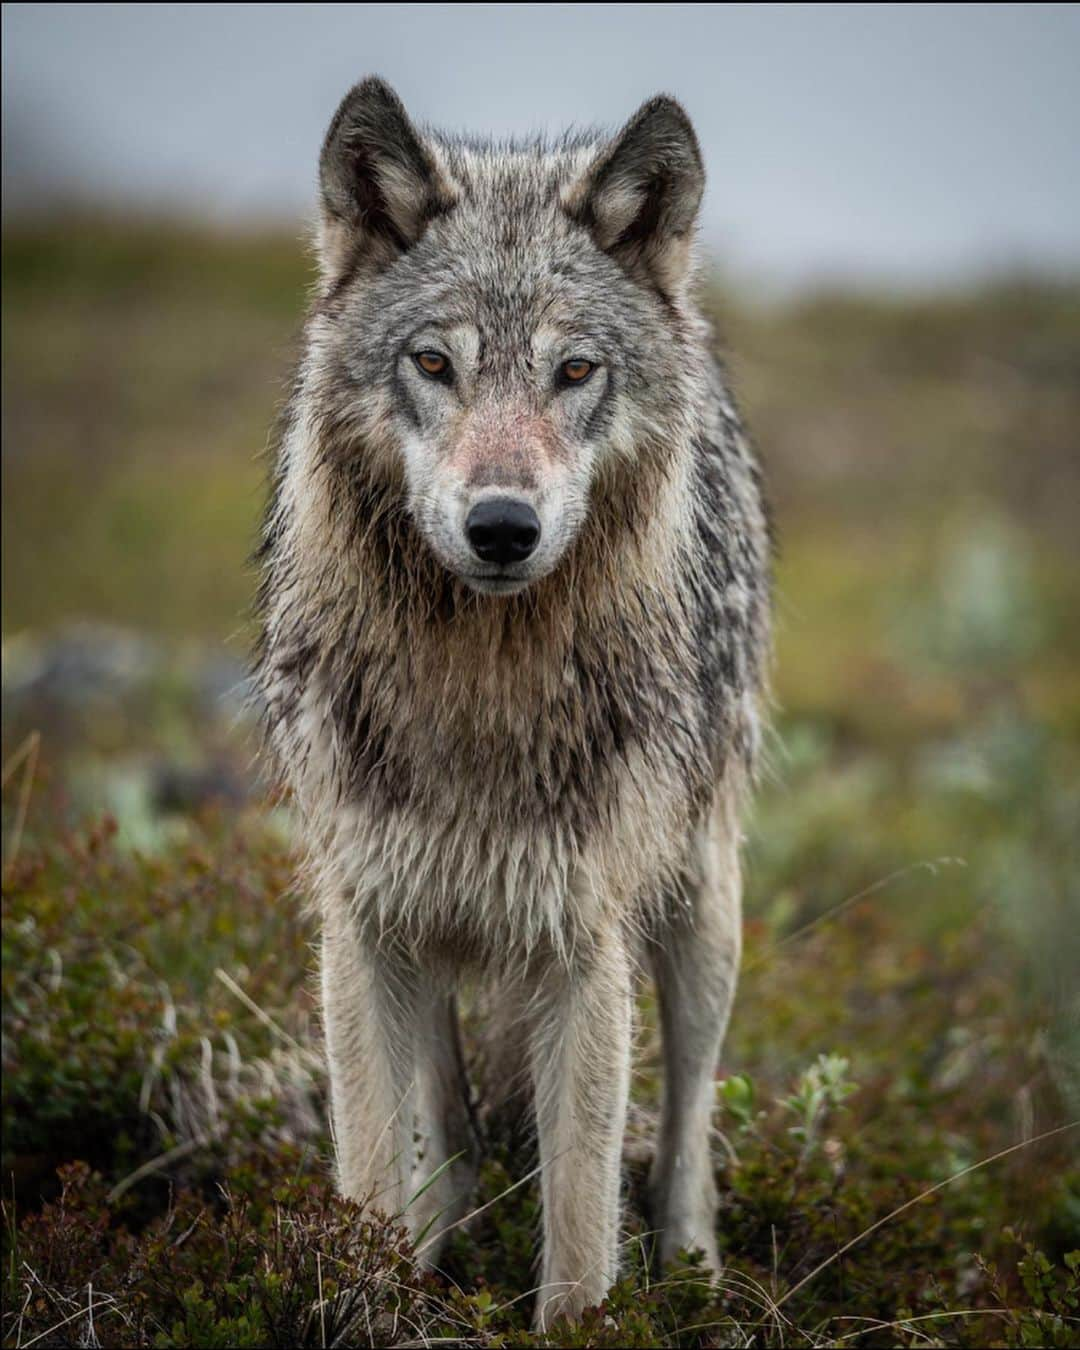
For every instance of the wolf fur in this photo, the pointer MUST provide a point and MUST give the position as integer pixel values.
(530, 773)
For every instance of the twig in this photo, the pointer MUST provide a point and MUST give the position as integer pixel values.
(322, 1302)
(156, 1164)
(930, 1190)
(927, 865)
(263, 1016)
(108, 1304)
(28, 751)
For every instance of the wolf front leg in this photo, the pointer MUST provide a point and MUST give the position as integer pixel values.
(369, 1013)
(695, 960)
(580, 1057)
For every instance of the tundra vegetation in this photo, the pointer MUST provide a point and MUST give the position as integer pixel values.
(908, 1022)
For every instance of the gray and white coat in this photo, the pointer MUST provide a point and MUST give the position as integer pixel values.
(525, 763)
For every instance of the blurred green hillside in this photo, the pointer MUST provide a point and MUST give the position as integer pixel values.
(142, 368)
(913, 863)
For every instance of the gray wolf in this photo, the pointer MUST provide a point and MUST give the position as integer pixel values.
(514, 635)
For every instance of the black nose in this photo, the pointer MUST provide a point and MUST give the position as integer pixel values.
(502, 530)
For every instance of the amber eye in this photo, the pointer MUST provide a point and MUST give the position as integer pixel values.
(432, 363)
(576, 371)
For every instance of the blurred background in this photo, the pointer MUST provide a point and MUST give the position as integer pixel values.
(894, 270)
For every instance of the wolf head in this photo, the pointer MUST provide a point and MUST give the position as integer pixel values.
(501, 326)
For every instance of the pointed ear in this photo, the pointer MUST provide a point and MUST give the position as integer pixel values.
(640, 196)
(380, 184)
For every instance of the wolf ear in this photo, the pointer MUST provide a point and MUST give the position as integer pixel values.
(640, 196)
(379, 183)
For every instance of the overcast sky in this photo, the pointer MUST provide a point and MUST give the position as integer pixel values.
(904, 143)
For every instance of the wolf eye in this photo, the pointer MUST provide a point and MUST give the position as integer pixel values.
(432, 363)
(576, 371)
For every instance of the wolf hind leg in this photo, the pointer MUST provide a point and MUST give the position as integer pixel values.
(695, 960)
(445, 1174)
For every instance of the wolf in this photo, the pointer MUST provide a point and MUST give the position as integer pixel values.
(513, 657)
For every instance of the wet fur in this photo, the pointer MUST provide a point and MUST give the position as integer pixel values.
(537, 787)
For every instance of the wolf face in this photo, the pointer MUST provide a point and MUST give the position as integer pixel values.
(501, 325)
